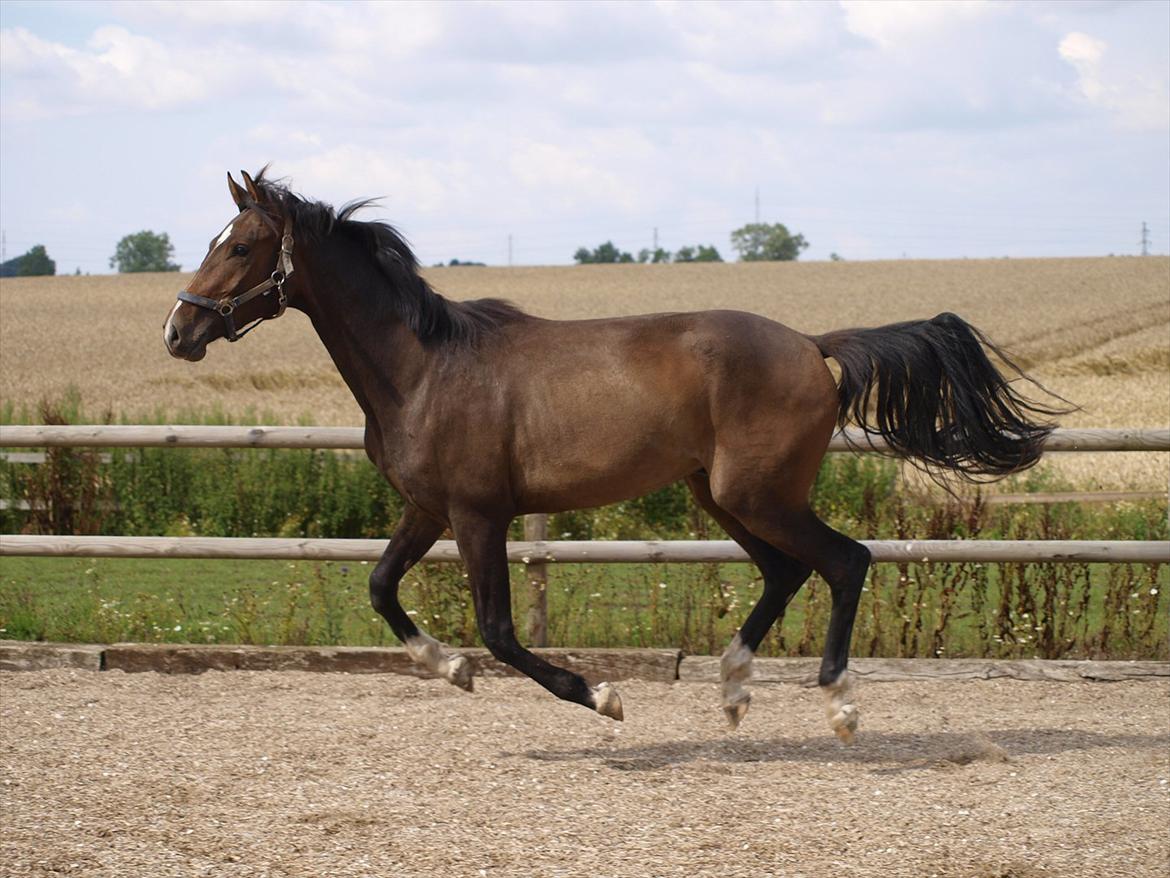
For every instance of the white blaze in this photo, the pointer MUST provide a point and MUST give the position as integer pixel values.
(170, 319)
(224, 235)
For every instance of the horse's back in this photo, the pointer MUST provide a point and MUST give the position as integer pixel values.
(655, 397)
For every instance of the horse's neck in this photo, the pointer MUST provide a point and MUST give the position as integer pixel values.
(378, 357)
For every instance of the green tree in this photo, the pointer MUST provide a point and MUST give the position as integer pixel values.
(144, 251)
(37, 262)
(604, 253)
(698, 253)
(31, 264)
(655, 256)
(758, 242)
(454, 262)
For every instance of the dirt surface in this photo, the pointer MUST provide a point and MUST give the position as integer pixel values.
(298, 774)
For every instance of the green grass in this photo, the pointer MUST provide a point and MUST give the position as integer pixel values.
(1005, 611)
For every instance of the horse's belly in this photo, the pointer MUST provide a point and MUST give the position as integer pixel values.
(601, 464)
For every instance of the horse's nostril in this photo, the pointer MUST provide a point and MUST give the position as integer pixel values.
(171, 337)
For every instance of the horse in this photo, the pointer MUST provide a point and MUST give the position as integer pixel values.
(477, 412)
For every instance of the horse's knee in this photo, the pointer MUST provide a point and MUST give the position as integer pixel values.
(852, 569)
(384, 592)
(381, 596)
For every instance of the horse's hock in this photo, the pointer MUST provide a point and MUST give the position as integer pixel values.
(295, 773)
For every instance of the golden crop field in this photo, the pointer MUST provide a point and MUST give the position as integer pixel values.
(1097, 331)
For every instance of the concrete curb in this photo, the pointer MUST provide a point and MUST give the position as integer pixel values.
(19, 655)
(803, 671)
(175, 658)
(657, 665)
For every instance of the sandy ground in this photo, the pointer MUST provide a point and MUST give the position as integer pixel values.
(298, 774)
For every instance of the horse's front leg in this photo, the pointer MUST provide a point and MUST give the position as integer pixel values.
(482, 542)
(415, 534)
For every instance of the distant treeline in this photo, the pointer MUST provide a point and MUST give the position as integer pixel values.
(755, 242)
(35, 262)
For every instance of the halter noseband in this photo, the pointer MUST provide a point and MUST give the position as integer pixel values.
(226, 307)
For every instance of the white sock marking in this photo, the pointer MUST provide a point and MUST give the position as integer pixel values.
(840, 709)
(607, 702)
(426, 651)
(736, 669)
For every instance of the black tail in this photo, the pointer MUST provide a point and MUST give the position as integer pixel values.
(928, 388)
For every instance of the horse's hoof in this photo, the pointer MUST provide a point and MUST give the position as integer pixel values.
(844, 723)
(461, 673)
(842, 712)
(607, 702)
(737, 711)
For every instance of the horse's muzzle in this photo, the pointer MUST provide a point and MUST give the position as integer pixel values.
(192, 351)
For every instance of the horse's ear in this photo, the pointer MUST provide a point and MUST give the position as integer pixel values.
(253, 190)
(239, 194)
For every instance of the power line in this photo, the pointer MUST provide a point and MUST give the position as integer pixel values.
(1145, 239)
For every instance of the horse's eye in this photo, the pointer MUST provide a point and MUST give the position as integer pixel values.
(240, 250)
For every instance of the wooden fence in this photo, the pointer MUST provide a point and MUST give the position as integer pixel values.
(545, 552)
(172, 436)
(536, 553)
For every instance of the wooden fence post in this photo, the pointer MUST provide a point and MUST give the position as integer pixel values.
(536, 528)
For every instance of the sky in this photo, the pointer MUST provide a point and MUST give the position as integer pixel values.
(877, 130)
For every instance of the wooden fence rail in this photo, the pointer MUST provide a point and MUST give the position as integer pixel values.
(534, 553)
(543, 552)
(173, 436)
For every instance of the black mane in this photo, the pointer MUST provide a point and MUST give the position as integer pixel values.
(433, 318)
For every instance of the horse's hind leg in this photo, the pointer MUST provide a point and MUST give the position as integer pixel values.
(482, 543)
(415, 534)
(783, 577)
(842, 562)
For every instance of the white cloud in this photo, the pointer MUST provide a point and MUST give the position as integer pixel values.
(349, 171)
(893, 24)
(600, 171)
(1084, 53)
(756, 36)
(1135, 97)
(116, 69)
(211, 15)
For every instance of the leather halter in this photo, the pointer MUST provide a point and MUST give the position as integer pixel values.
(226, 307)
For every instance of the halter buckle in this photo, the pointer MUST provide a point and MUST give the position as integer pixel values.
(226, 307)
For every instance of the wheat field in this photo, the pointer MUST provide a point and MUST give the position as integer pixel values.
(1094, 330)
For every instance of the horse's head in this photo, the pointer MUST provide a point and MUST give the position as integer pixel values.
(241, 281)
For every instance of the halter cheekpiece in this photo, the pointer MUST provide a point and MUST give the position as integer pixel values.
(226, 307)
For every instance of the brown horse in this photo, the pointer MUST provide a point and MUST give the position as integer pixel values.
(477, 412)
